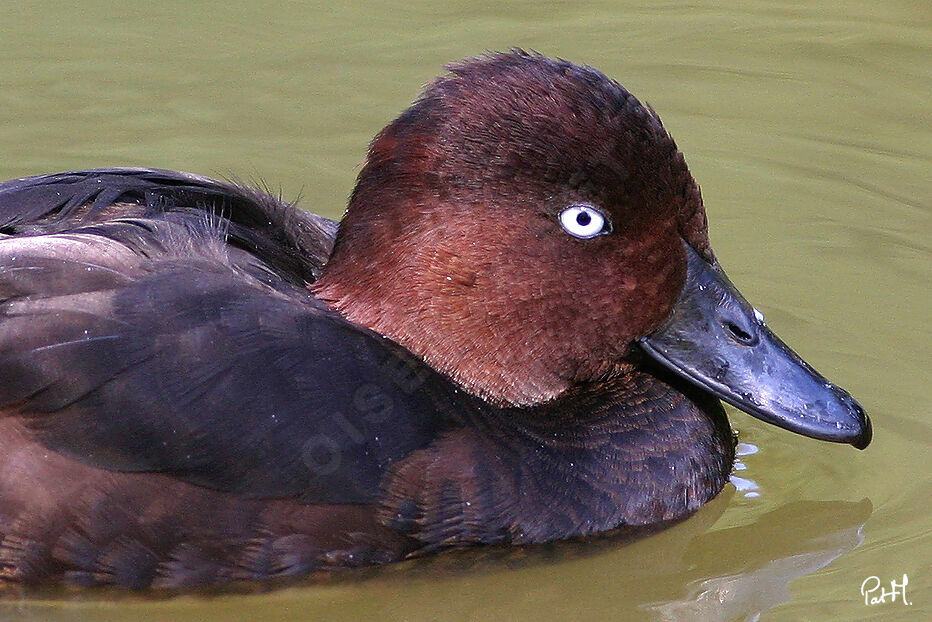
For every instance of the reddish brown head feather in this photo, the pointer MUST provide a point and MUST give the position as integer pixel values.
(452, 245)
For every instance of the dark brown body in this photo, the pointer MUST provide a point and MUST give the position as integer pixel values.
(65, 520)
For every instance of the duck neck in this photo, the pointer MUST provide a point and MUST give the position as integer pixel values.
(639, 452)
(448, 312)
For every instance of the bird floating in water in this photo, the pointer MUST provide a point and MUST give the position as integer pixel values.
(518, 333)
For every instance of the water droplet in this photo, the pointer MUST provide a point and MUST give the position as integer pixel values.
(748, 488)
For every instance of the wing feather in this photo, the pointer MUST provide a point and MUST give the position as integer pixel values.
(155, 321)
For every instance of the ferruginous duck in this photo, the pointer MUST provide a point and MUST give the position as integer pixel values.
(518, 333)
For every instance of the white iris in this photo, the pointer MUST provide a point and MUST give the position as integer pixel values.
(583, 221)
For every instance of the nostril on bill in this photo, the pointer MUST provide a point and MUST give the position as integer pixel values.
(740, 335)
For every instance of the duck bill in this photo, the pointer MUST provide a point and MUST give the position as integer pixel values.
(716, 340)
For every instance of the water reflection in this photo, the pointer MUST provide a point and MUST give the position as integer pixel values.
(751, 566)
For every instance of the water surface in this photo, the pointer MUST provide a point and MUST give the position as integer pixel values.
(807, 125)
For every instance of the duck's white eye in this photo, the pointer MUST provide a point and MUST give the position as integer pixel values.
(583, 221)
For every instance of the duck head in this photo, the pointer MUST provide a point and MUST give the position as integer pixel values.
(528, 227)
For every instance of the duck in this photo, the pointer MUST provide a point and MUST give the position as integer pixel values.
(517, 334)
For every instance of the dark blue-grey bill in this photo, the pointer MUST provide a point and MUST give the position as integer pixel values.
(715, 339)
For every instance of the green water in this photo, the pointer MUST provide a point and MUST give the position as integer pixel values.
(808, 127)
